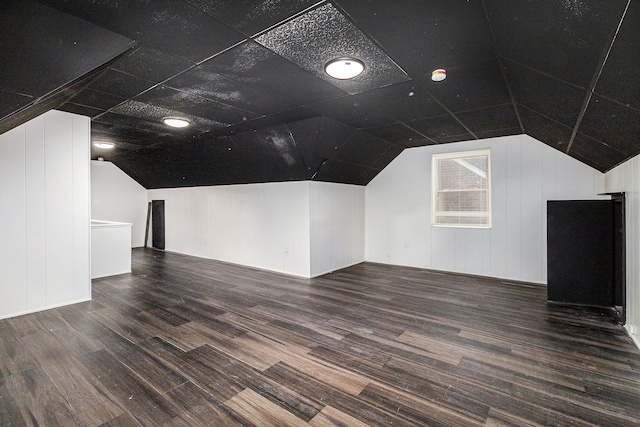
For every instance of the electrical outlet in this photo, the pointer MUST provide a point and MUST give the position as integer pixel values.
(286, 249)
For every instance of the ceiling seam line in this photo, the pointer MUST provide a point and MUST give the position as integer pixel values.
(444, 107)
(503, 70)
(514, 104)
(594, 81)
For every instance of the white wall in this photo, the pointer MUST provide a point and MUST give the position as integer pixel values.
(626, 178)
(525, 173)
(44, 214)
(258, 225)
(336, 226)
(116, 197)
(299, 228)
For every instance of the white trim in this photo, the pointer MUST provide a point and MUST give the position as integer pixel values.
(50, 307)
(273, 270)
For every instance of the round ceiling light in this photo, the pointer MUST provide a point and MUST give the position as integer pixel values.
(103, 144)
(344, 68)
(175, 122)
(438, 75)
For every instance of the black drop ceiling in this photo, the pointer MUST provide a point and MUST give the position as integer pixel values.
(249, 76)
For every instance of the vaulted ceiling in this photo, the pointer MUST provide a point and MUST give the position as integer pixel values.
(249, 76)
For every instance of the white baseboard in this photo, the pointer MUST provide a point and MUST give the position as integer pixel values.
(49, 307)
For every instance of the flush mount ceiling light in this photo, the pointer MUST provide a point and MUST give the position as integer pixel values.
(344, 68)
(175, 122)
(103, 144)
(438, 75)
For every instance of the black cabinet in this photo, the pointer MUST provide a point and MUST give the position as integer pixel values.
(585, 252)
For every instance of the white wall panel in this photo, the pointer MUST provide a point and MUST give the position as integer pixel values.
(36, 208)
(532, 212)
(117, 197)
(514, 210)
(81, 208)
(498, 232)
(44, 182)
(13, 223)
(336, 226)
(525, 174)
(58, 152)
(259, 225)
(626, 178)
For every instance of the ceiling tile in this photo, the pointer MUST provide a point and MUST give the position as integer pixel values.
(547, 95)
(276, 119)
(207, 84)
(322, 34)
(596, 154)
(424, 35)
(544, 129)
(257, 66)
(404, 101)
(185, 103)
(471, 87)
(438, 127)
(173, 27)
(619, 79)
(120, 84)
(363, 149)
(341, 172)
(400, 134)
(12, 102)
(99, 100)
(272, 152)
(44, 49)
(122, 128)
(616, 124)
(490, 119)
(151, 65)
(387, 157)
(147, 117)
(351, 111)
(498, 133)
(453, 138)
(215, 162)
(565, 39)
(83, 110)
(366, 176)
(251, 16)
(320, 137)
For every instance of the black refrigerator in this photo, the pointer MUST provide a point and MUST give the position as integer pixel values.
(585, 252)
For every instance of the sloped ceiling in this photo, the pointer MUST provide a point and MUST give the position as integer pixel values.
(249, 76)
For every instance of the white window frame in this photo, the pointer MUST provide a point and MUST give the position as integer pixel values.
(435, 180)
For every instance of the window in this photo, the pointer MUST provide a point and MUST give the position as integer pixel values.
(460, 191)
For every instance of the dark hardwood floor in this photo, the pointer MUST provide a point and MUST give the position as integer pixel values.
(185, 341)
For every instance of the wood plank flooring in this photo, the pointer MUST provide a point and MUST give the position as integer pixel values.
(185, 341)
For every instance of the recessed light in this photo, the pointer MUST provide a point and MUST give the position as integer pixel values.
(438, 75)
(104, 144)
(175, 122)
(344, 68)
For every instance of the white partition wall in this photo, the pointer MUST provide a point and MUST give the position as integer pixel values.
(336, 226)
(525, 173)
(44, 211)
(626, 178)
(298, 228)
(258, 225)
(115, 196)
